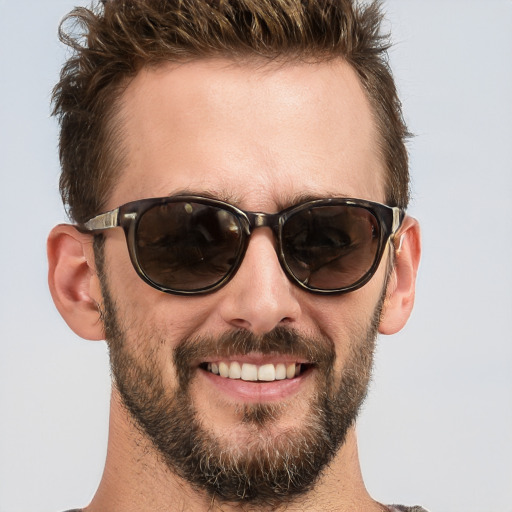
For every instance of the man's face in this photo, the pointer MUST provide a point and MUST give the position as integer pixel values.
(262, 138)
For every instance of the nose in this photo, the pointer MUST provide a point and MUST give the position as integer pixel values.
(260, 296)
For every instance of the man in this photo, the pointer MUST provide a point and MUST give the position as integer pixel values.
(237, 177)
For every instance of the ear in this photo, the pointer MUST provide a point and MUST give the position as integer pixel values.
(73, 281)
(402, 282)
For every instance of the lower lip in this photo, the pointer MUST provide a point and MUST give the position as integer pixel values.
(256, 392)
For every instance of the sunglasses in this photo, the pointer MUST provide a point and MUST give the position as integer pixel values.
(189, 245)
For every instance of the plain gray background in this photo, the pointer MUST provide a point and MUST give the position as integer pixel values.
(437, 427)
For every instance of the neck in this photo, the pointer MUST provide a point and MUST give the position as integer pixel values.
(135, 478)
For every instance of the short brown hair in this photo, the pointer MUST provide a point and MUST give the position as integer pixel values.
(113, 41)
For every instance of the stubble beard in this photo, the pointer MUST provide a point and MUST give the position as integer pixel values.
(270, 470)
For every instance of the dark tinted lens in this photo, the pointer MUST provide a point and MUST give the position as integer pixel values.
(331, 247)
(186, 245)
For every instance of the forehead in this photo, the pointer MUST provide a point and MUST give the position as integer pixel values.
(256, 134)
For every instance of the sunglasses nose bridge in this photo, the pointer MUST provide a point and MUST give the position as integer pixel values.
(263, 220)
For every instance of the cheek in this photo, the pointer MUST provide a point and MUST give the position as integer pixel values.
(346, 319)
(144, 308)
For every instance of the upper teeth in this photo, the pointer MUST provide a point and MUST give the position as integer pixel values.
(252, 372)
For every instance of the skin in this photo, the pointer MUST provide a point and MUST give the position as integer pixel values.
(259, 136)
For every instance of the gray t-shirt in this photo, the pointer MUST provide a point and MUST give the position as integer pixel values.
(392, 508)
(402, 508)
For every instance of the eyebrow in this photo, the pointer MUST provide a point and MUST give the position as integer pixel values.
(283, 200)
(208, 193)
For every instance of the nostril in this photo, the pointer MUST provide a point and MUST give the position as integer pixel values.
(241, 323)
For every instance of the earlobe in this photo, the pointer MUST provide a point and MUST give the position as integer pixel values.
(73, 282)
(402, 283)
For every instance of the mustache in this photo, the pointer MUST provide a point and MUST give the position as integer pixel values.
(317, 350)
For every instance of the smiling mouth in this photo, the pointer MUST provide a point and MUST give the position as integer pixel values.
(255, 373)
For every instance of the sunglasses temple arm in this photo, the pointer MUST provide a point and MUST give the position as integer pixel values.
(103, 221)
(398, 217)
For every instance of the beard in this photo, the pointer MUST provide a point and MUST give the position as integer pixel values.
(270, 468)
